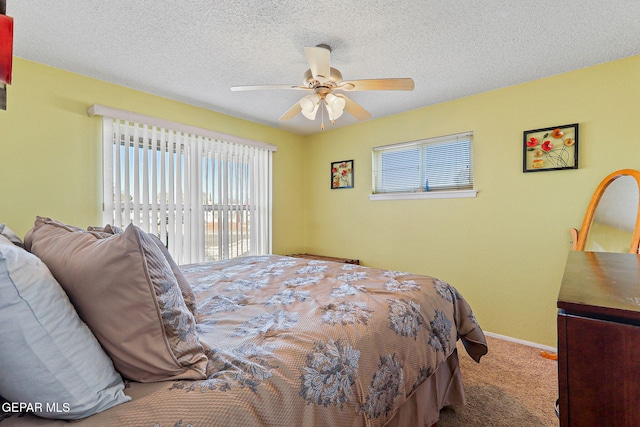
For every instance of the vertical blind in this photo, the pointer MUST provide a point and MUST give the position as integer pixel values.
(206, 199)
(441, 163)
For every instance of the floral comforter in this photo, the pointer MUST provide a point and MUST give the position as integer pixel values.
(295, 342)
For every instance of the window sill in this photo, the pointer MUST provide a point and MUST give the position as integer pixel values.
(455, 194)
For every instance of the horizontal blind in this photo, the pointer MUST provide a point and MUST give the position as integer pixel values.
(441, 163)
(206, 199)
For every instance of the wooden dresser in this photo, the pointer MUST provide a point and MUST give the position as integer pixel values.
(599, 340)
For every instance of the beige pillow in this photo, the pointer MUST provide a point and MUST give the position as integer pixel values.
(123, 288)
(185, 288)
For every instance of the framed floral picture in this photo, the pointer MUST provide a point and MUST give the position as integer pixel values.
(342, 174)
(552, 148)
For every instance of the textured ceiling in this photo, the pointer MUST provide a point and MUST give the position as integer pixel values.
(194, 51)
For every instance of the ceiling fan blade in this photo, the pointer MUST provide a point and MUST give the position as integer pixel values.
(267, 87)
(354, 108)
(378, 84)
(318, 58)
(292, 112)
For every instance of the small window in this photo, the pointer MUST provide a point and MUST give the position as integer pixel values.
(428, 165)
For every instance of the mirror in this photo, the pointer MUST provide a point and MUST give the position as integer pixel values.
(611, 223)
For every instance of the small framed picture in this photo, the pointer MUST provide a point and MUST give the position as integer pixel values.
(552, 148)
(342, 174)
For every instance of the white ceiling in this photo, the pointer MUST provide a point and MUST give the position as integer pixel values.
(194, 51)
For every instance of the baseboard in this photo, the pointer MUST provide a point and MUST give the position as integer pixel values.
(523, 342)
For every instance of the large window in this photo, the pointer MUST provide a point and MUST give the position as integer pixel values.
(428, 165)
(205, 198)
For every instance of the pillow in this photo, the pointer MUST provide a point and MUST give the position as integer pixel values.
(124, 289)
(49, 357)
(185, 288)
(13, 237)
(109, 229)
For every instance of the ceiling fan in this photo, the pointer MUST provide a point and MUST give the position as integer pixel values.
(323, 80)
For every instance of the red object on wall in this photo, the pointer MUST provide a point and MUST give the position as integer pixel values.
(6, 48)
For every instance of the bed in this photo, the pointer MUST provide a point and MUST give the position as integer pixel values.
(279, 340)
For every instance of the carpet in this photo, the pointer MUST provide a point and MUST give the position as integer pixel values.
(512, 386)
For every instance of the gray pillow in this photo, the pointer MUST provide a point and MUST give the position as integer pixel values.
(49, 356)
(9, 234)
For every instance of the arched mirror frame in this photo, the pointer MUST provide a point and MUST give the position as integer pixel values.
(580, 238)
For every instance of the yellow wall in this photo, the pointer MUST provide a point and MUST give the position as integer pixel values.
(50, 155)
(504, 250)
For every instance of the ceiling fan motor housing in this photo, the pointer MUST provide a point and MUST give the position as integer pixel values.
(335, 78)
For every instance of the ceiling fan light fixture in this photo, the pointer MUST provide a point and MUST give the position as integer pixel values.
(335, 106)
(310, 115)
(333, 116)
(309, 105)
(310, 102)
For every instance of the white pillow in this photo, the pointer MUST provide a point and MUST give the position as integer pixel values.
(49, 357)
